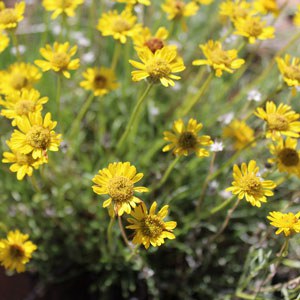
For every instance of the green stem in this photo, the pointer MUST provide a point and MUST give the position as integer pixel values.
(85, 107)
(109, 233)
(123, 233)
(167, 173)
(58, 96)
(34, 184)
(116, 55)
(193, 100)
(16, 44)
(133, 118)
(63, 27)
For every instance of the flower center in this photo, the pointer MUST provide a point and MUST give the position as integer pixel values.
(120, 25)
(288, 220)
(158, 68)
(277, 122)
(16, 251)
(120, 189)
(255, 28)
(179, 7)
(24, 159)
(18, 81)
(38, 137)
(8, 15)
(187, 140)
(65, 3)
(293, 72)
(289, 157)
(23, 107)
(100, 82)
(152, 227)
(252, 185)
(60, 60)
(154, 44)
(220, 57)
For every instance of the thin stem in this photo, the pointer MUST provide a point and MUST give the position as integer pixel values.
(85, 107)
(193, 100)
(34, 184)
(58, 96)
(109, 233)
(16, 44)
(167, 173)
(123, 233)
(133, 118)
(63, 26)
(116, 55)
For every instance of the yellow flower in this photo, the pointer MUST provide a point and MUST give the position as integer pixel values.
(120, 26)
(35, 135)
(66, 7)
(247, 184)
(153, 42)
(219, 59)
(280, 121)
(266, 6)
(240, 133)
(134, 2)
(16, 251)
(234, 9)
(10, 17)
(253, 28)
(18, 76)
(297, 17)
(118, 181)
(185, 140)
(287, 158)
(150, 228)
(21, 103)
(177, 9)
(99, 80)
(289, 69)
(286, 223)
(58, 58)
(205, 2)
(4, 41)
(158, 66)
(22, 164)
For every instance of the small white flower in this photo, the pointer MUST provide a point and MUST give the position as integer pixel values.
(225, 194)
(88, 57)
(22, 50)
(254, 95)
(227, 118)
(81, 39)
(217, 146)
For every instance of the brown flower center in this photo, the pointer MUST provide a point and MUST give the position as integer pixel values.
(120, 189)
(154, 44)
(100, 82)
(289, 157)
(252, 185)
(38, 137)
(16, 251)
(23, 107)
(24, 159)
(152, 227)
(292, 72)
(120, 25)
(277, 122)
(65, 3)
(8, 15)
(60, 60)
(254, 28)
(187, 140)
(18, 81)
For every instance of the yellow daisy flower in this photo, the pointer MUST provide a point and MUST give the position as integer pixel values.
(22, 164)
(176, 9)
(35, 135)
(10, 17)
(18, 76)
(185, 140)
(58, 58)
(134, 2)
(286, 156)
(21, 103)
(117, 181)
(150, 228)
(219, 59)
(119, 26)
(99, 80)
(66, 7)
(297, 17)
(234, 9)
(16, 251)
(4, 41)
(289, 69)
(153, 42)
(281, 120)
(253, 28)
(247, 184)
(158, 66)
(240, 133)
(266, 6)
(288, 223)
